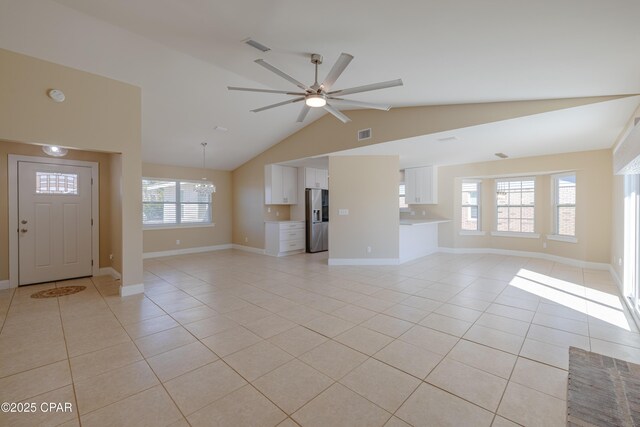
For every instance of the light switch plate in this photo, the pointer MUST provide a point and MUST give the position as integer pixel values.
(343, 211)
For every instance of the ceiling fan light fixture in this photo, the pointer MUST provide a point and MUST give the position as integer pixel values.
(315, 101)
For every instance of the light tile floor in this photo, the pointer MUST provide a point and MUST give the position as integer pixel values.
(232, 339)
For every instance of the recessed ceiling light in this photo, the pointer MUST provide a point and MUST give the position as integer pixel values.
(220, 128)
(501, 155)
(447, 138)
(54, 150)
(257, 45)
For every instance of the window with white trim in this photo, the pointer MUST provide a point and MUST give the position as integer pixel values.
(403, 196)
(470, 206)
(173, 202)
(564, 204)
(515, 205)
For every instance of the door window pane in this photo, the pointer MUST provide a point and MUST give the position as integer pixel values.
(56, 183)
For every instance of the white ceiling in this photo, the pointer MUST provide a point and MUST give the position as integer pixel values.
(590, 127)
(183, 53)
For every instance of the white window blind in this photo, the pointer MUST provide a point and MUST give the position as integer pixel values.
(470, 206)
(515, 205)
(403, 196)
(173, 202)
(564, 204)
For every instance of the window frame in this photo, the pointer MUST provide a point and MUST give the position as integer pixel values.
(555, 179)
(478, 206)
(178, 204)
(405, 208)
(509, 233)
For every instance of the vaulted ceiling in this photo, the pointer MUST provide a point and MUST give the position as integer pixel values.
(183, 53)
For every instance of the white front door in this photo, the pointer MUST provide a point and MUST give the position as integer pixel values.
(54, 220)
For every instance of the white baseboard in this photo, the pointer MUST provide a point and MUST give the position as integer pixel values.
(129, 290)
(538, 255)
(617, 279)
(625, 298)
(186, 251)
(109, 271)
(5, 284)
(248, 249)
(364, 261)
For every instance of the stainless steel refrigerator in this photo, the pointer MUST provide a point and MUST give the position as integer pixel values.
(317, 219)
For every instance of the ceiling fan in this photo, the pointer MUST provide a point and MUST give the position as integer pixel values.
(321, 95)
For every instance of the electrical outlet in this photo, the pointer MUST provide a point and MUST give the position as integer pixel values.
(343, 211)
(277, 213)
(111, 257)
(424, 213)
(268, 210)
(368, 249)
(177, 242)
(246, 239)
(620, 262)
(544, 245)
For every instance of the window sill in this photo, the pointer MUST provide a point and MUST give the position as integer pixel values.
(559, 238)
(472, 233)
(176, 227)
(515, 234)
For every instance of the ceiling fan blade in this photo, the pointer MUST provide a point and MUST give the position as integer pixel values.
(359, 104)
(290, 101)
(281, 73)
(249, 89)
(366, 88)
(338, 114)
(303, 113)
(343, 60)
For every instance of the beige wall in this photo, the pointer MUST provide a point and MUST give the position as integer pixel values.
(99, 114)
(104, 166)
(116, 211)
(328, 135)
(593, 204)
(368, 187)
(165, 239)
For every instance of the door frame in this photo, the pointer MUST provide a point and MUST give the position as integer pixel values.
(14, 267)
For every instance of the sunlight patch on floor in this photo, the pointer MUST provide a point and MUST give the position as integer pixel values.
(597, 304)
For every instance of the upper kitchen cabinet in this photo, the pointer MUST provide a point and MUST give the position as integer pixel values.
(316, 178)
(421, 185)
(280, 185)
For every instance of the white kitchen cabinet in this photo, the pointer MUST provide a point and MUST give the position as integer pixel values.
(280, 185)
(316, 178)
(284, 237)
(421, 185)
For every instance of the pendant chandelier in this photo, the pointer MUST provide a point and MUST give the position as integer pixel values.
(204, 187)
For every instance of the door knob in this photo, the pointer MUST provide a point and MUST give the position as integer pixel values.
(24, 221)
(23, 230)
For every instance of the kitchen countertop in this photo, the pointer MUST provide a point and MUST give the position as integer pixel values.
(423, 221)
(281, 222)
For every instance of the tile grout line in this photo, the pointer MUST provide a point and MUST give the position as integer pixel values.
(66, 348)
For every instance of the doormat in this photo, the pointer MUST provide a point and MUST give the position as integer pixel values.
(602, 391)
(58, 292)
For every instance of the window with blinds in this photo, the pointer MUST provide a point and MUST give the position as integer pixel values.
(515, 205)
(564, 205)
(172, 202)
(403, 196)
(470, 205)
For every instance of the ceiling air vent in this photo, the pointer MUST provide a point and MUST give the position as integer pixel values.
(364, 134)
(257, 45)
(501, 155)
